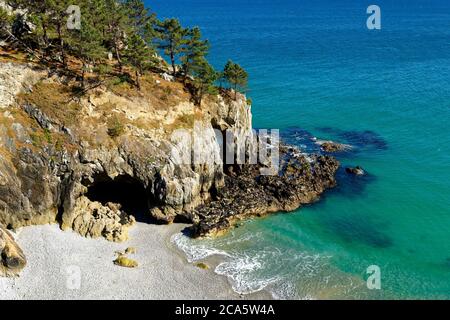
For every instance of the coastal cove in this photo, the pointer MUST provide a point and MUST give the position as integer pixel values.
(317, 71)
(113, 183)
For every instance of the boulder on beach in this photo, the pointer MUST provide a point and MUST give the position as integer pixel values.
(12, 259)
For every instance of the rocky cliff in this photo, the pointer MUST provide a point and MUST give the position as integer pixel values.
(78, 159)
(97, 161)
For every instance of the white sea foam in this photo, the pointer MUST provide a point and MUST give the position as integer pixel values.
(194, 252)
(251, 269)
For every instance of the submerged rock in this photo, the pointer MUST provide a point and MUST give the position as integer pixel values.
(330, 146)
(12, 259)
(358, 171)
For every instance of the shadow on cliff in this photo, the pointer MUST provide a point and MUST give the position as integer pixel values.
(125, 190)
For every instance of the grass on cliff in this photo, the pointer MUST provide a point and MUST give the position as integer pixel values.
(13, 56)
(55, 100)
(185, 121)
(160, 93)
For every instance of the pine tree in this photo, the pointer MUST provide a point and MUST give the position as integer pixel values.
(194, 50)
(138, 55)
(128, 29)
(117, 27)
(36, 13)
(236, 76)
(150, 33)
(138, 15)
(204, 78)
(171, 36)
(86, 44)
(56, 11)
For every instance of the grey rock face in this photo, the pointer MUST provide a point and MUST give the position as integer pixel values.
(45, 184)
(75, 174)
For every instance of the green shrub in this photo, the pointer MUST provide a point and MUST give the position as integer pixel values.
(115, 127)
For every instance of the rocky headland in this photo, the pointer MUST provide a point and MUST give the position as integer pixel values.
(95, 162)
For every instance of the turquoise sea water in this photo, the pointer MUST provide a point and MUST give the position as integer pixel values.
(315, 69)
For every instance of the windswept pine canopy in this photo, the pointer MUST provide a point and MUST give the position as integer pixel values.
(125, 30)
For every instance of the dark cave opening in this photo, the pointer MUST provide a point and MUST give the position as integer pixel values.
(125, 190)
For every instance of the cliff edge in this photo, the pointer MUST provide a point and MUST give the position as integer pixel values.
(97, 161)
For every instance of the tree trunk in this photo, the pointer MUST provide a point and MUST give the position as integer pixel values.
(138, 83)
(186, 71)
(61, 44)
(83, 72)
(116, 49)
(172, 59)
(200, 97)
(44, 36)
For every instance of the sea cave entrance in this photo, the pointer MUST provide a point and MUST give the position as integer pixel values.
(125, 190)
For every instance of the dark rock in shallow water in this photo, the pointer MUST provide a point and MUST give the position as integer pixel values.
(352, 186)
(330, 146)
(361, 139)
(447, 263)
(358, 171)
(365, 138)
(301, 180)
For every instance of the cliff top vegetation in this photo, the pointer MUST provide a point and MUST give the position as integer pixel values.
(117, 43)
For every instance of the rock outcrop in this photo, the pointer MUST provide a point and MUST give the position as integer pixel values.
(300, 180)
(331, 146)
(94, 220)
(12, 259)
(55, 147)
(357, 171)
(14, 79)
(57, 150)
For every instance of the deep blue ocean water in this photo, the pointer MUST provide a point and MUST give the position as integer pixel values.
(316, 70)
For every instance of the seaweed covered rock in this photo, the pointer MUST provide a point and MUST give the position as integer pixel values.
(12, 259)
(331, 146)
(300, 180)
(357, 171)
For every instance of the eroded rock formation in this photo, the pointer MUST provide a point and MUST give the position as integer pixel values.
(92, 219)
(12, 259)
(300, 180)
(57, 150)
(54, 147)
